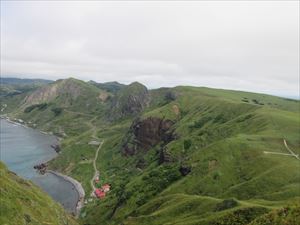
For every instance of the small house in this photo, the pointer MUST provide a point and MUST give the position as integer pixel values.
(105, 187)
(99, 193)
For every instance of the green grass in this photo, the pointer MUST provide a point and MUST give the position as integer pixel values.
(22, 202)
(220, 134)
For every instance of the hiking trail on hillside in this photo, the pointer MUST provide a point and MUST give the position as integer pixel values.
(97, 173)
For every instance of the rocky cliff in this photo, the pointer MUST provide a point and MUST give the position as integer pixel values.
(130, 101)
(147, 133)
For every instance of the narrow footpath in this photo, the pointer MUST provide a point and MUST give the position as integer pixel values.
(291, 153)
(290, 150)
(96, 174)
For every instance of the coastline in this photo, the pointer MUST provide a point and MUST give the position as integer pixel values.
(25, 125)
(77, 185)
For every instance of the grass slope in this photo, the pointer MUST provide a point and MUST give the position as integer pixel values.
(24, 203)
(228, 137)
(222, 136)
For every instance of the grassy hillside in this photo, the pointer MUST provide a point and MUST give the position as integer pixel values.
(24, 203)
(181, 155)
(222, 139)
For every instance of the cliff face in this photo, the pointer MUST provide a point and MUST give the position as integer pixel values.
(147, 133)
(48, 93)
(130, 101)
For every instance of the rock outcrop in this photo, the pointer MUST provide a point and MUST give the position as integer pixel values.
(164, 155)
(185, 170)
(70, 87)
(130, 101)
(41, 168)
(56, 147)
(147, 133)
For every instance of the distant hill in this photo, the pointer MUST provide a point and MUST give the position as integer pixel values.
(23, 81)
(16, 86)
(22, 202)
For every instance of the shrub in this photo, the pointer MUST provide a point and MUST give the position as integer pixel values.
(170, 96)
(57, 111)
(200, 123)
(187, 144)
(219, 119)
(226, 204)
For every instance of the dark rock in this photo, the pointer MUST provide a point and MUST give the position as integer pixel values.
(185, 170)
(56, 147)
(41, 167)
(145, 134)
(151, 131)
(164, 156)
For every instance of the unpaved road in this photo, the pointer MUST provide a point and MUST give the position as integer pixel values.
(290, 150)
(291, 153)
(95, 169)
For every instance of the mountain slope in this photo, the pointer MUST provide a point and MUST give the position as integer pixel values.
(24, 203)
(182, 155)
(220, 140)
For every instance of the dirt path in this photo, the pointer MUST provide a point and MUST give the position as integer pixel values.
(290, 150)
(95, 169)
(93, 128)
(291, 153)
(94, 136)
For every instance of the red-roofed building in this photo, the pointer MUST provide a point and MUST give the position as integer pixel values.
(99, 193)
(105, 187)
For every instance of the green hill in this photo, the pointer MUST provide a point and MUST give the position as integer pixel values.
(182, 155)
(24, 203)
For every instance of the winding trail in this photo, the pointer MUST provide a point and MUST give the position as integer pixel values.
(97, 173)
(291, 153)
(94, 136)
(290, 150)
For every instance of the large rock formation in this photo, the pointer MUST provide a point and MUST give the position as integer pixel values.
(129, 101)
(147, 133)
(70, 87)
(70, 93)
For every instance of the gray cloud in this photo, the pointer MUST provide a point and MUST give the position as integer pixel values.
(244, 45)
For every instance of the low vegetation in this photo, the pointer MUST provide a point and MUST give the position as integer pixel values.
(22, 202)
(206, 165)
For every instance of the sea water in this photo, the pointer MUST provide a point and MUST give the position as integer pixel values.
(22, 148)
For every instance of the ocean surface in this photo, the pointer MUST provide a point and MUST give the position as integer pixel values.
(22, 148)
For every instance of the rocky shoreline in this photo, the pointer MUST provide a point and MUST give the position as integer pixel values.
(77, 186)
(42, 168)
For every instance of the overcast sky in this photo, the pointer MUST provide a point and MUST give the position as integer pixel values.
(251, 46)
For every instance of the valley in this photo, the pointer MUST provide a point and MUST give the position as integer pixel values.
(182, 155)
